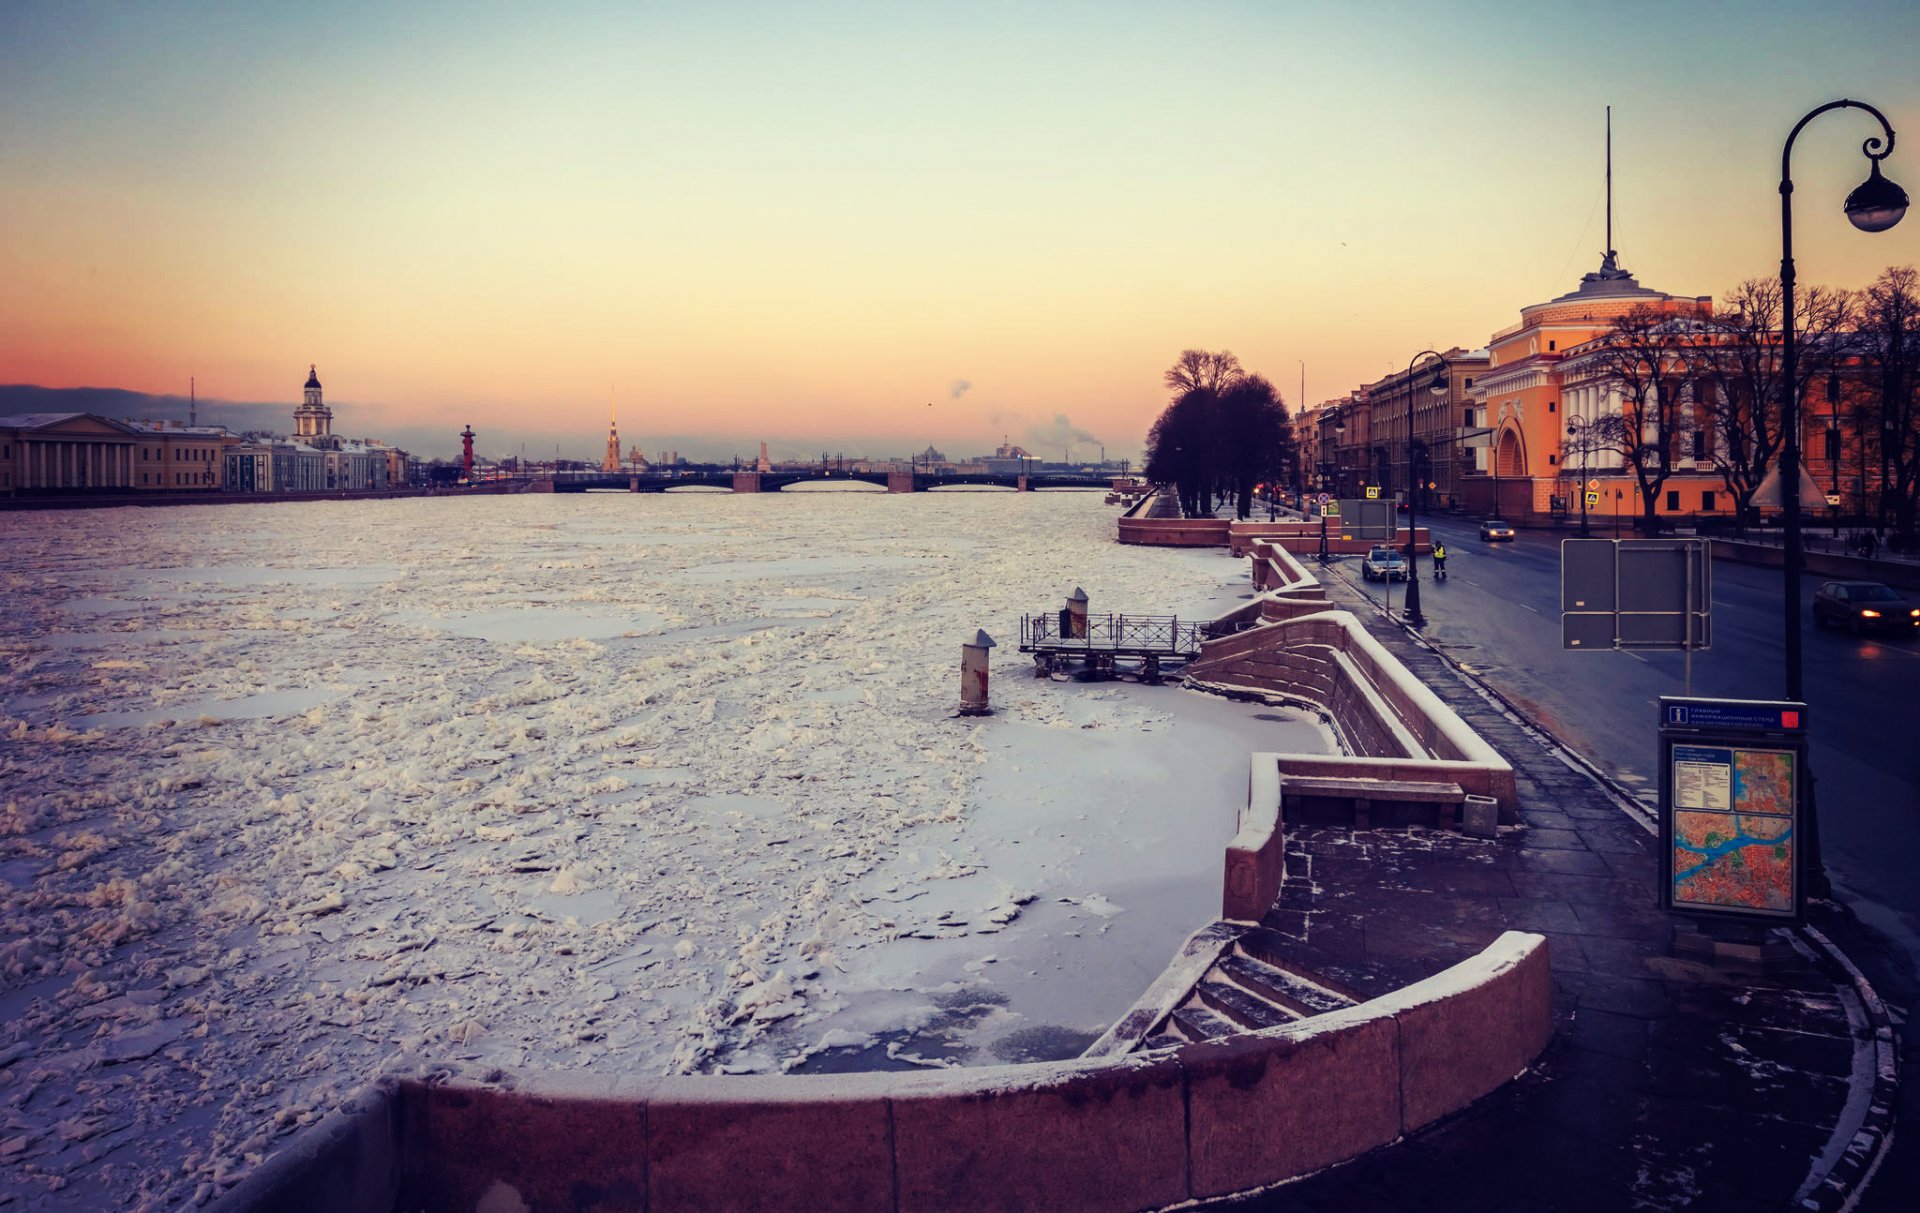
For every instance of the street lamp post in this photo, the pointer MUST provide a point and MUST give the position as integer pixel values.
(1833, 445)
(1437, 387)
(1339, 420)
(1576, 430)
(1875, 205)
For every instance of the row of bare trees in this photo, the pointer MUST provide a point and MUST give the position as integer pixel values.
(1716, 384)
(1224, 432)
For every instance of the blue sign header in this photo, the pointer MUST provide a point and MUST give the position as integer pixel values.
(1739, 715)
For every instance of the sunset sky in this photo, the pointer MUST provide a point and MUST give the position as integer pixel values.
(865, 227)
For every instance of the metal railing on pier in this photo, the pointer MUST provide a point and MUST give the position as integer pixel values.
(1122, 635)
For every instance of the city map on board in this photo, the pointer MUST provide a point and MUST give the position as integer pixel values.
(1733, 836)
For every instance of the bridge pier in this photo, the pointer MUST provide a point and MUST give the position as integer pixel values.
(746, 482)
(900, 482)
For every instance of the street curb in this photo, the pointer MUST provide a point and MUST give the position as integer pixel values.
(1846, 1178)
(1849, 1176)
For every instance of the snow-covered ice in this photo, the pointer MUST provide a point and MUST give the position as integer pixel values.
(634, 783)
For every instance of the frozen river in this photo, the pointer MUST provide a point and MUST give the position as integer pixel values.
(628, 783)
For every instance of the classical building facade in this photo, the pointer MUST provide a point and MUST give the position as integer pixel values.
(66, 452)
(1521, 395)
(1435, 432)
(181, 458)
(313, 420)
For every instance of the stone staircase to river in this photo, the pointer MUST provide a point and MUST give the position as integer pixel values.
(1228, 978)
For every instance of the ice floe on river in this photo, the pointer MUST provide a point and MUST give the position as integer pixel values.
(639, 784)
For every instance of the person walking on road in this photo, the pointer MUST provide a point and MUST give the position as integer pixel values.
(1440, 560)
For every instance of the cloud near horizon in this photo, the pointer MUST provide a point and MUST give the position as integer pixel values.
(1057, 435)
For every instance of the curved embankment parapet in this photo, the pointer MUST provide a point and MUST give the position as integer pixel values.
(1393, 726)
(1107, 1135)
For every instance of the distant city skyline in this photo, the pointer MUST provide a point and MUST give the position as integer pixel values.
(866, 228)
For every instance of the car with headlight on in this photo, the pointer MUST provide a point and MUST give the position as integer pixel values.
(1496, 529)
(1864, 606)
(1384, 564)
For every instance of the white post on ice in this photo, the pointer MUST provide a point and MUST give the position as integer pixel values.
(973, 676)
(1076, 615)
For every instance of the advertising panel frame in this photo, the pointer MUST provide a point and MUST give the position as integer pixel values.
(1710, 751)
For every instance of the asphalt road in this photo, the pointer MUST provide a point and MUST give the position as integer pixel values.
(1498, 614)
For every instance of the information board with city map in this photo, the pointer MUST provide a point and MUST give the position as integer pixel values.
(1733, 828)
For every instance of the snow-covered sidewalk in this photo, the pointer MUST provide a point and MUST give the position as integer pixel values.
(629, 783)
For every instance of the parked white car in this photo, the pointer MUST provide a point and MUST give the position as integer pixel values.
(1384, 564)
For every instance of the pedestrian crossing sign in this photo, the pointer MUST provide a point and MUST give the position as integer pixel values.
(1373, 492)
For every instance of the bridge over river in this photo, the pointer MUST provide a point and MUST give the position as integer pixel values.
(773, 482)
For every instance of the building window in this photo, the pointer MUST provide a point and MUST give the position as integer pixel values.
(1673, 500)
(1553, 406)
(1469, 383)
(1699, 444)
(1706, 500)
(1550, 346)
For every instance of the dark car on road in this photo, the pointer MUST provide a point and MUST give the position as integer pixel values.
(1864, 606)
(1494, 529)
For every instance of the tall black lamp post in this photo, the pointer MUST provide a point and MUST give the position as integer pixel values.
(1833, 445)
(1577, 430)
(1875, 205)
(1339, 426)
(1437, 386)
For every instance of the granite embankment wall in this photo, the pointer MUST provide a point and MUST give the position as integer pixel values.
(1137, 527)
(102, 501)
(1394, 727)
(1145, 1131)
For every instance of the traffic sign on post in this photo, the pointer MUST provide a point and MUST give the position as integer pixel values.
(1636, 594)
(1373, 492)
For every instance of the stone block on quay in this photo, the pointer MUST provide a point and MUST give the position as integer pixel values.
(817, 1143)
(1074, 1137)
(1270, 1106)
(1480, 816)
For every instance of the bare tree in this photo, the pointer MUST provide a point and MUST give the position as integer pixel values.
(1743, 375)
(1203, 369)
(1890, 353)
(1224, 432)
(1255, 438)
(1182, 446)
(1647, 357)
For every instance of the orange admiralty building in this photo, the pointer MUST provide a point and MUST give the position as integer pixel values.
(1538, 393)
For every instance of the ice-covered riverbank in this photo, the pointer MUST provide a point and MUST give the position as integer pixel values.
(613, 782)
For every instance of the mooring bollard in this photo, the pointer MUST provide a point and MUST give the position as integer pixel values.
(973, 676)
(1076, 615)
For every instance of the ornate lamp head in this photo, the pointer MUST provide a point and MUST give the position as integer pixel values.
(1876, 204)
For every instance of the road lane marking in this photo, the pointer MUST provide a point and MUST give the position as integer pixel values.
(1535, 610)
